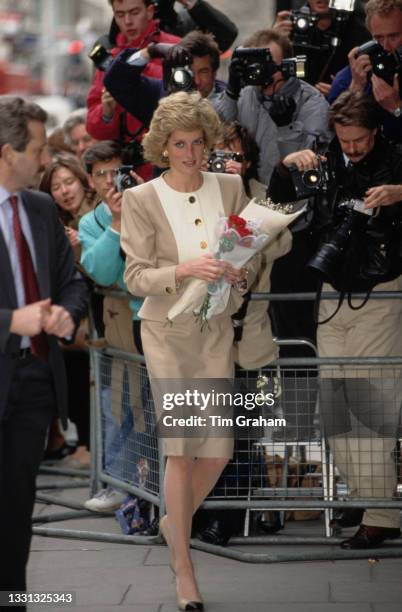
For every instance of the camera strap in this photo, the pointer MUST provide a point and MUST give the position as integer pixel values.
(342, 295)
(124, 131)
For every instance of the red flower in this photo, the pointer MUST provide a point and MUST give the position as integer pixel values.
(235, 222)
(238, 224)
(243, 231)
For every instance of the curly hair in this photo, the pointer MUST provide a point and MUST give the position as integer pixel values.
(180, 111)
(382, 8)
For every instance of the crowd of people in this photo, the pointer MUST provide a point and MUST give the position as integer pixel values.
(127, 194)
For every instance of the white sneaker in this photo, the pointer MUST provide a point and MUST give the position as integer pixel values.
(105, 501)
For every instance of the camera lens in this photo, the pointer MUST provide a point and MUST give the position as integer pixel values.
(302, 24)
(311, 178)
(182, 79)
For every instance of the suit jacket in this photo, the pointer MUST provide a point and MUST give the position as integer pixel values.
(57, 279)
(151, 250)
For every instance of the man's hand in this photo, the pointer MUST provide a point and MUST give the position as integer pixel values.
(235, 78)
(283, 23)
(113, 199)
(232, 166)
(360, 67)
(303, 160)
(323, 88)
(108, 104)
(386, 95)
(29, 320)
(58, 322)
(384, 195)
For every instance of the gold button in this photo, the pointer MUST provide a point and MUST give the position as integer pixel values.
(169, 290)
(198, 221)
(203, 244)
(191, 199)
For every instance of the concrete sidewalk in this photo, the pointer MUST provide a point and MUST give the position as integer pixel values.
(122, 578)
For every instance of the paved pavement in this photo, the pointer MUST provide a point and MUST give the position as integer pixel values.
(121, 578)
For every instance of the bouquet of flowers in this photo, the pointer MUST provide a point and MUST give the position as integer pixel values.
(237, 241)
(238, 238)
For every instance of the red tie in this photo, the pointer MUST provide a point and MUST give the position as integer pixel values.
(39, 344)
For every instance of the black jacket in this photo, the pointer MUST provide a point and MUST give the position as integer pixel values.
(324, 63)
(58, 280)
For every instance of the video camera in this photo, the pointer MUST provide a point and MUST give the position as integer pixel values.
(305, 28)
(123, 179)
(256, 66)
(217, 159)
(310, 182)
(384, 64)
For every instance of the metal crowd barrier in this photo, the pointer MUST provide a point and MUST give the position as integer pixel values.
(290, 471)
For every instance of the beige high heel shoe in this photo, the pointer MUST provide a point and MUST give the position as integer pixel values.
(164, 530)
(188, 604)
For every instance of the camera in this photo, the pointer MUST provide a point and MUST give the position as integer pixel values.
(384, 64)
(178, 78)
(305, 26)
(181, 79)
(327, 262)
(256, 66)
(101, 57)
(123, 179)
(217, 159)
(309, 182)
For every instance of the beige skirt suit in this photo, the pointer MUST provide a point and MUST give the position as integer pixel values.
(162, 227)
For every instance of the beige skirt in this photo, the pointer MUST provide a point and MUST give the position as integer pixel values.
(182, 352)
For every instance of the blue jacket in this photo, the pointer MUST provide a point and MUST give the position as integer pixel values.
(138, 94)
(100, 251)
(391, 126)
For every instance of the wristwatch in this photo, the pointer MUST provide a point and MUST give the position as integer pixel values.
(397, 112)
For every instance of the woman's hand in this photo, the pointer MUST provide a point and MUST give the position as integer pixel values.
(235, 275)
(72, 236)
(205, 268)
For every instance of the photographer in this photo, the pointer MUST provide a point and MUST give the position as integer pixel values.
(384, 21)
(281, 115)
(101, 258)
(107, 120)
(193, 63)
(360, 251)
(325, 36)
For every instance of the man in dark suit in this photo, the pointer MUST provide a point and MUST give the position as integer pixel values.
(42, 299)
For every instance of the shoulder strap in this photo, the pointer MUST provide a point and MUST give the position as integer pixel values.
(317, 305)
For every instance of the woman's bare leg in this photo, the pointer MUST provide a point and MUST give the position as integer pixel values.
(187, 483)
(179, 506)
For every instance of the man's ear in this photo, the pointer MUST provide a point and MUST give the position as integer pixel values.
(151, 11)
(90, 181)
(7, 153)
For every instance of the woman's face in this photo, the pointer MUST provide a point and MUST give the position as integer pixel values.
(67, 190)
(186, 151)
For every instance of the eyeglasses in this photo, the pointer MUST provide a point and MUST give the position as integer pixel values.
(105, 173)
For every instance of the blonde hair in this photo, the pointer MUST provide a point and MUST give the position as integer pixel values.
(382, 8)
(180, 111)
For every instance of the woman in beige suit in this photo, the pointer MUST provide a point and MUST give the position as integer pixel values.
(168, 236)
